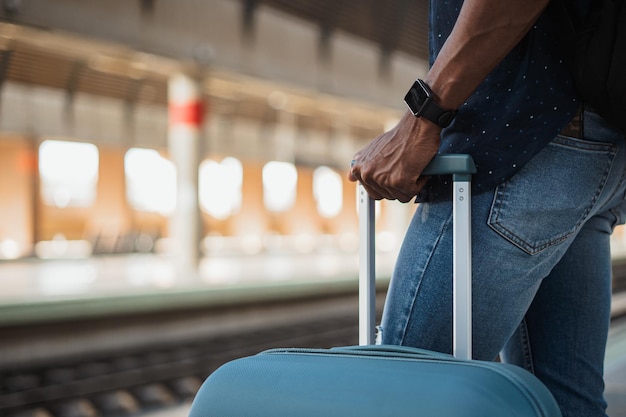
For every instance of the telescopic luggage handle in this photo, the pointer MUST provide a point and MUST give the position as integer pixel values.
(461, 167)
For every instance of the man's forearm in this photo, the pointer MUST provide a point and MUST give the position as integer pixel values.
(485, 32)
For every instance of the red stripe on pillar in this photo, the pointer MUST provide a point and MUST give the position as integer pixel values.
(190, 113)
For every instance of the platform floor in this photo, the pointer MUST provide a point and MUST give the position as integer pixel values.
(55, 289)
(41, 280)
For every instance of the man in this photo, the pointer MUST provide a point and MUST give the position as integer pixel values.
(544, 203)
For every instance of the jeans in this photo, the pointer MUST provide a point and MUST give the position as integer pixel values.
(541, 268)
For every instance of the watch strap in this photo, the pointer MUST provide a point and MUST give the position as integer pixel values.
(438, 115)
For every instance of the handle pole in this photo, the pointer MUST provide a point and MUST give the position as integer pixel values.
(461, 167)
(367, 268)
(462, 271)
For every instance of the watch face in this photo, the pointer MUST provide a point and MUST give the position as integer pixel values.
(416, 97)
(420, 101)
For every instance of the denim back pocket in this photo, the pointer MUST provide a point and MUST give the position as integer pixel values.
(553, 195)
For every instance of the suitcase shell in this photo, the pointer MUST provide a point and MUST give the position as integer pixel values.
(371, 380)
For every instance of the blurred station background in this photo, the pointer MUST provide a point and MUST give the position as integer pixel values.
(173, 190)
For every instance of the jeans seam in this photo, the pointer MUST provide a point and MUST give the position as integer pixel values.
(526, 348)
(621, 181)
(614, 151)
(616, 222)
(409, 314)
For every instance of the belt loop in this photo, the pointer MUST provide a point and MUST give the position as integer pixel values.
(574, 128)
(581, 118)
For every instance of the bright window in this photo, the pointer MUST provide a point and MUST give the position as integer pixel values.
(327, 191)
(220, 187)
(279, 185)
(69, 173)
(150, 181)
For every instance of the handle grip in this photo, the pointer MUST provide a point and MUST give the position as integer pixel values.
(455, 164)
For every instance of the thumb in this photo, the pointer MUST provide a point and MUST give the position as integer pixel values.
(352, 173)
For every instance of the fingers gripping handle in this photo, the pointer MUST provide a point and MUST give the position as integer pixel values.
(461, 167)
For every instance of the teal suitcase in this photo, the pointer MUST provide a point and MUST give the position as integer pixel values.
(370, 380)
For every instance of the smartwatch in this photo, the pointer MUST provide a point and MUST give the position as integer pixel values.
(419, 99)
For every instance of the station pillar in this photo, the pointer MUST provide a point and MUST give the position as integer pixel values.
(186, 113)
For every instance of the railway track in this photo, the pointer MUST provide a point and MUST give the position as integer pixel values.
(126, 383)
(159, 373)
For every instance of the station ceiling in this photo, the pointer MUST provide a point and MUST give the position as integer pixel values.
(32, 56)
(399, 25)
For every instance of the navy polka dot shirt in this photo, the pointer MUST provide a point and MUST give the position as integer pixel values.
(520, 107)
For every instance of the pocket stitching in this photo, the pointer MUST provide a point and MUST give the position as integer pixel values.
(517, 240)
(522, 243)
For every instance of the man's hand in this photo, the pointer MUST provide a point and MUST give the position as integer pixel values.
(484, 33)
(390, 166)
